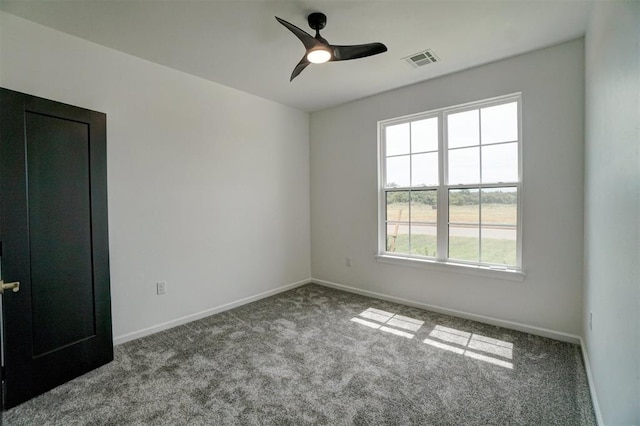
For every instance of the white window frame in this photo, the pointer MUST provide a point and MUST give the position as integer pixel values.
(441, 261)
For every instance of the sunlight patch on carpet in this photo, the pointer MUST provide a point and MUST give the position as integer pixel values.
(461, 343)
(389, 322)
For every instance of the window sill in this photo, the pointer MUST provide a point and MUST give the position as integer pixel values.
(480, 271)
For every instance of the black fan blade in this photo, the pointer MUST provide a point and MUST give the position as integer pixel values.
(344, 53)
(304, 37)
(298, 69)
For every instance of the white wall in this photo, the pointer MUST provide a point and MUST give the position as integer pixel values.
(208, 186)
(344, 192)
(612, 208)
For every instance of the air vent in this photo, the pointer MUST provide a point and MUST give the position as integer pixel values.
(421, 59)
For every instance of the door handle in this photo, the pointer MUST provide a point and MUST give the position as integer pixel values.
(15, 286)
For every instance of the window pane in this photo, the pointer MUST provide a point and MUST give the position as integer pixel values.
(424, 206)
(464, 206)
(500, 123)
(397, 238)
(463, 129)
(500, 206)
(397, 139)
(424, 135)
(398, 206)
(398, 171)
(424, 169)
(423, 240)
(499, 245)
(500, 163)
(464, 242)
(464, 166)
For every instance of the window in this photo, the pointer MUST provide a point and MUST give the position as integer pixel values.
(450, 187)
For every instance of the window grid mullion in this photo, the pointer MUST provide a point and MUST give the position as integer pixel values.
(430, 152)
(480, 186)
(457, 148)
(484, 185)
(410, 186)
(480, 224)
(417, 188)
(442, 228)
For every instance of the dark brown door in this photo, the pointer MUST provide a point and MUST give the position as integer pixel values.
(53, 229)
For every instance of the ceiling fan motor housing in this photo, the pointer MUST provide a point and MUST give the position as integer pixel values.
(317, 20)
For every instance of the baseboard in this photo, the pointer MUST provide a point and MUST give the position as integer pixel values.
(538, 331)
(207, 312)
(592, 387)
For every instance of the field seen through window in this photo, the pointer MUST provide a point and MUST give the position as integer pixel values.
(485, 235)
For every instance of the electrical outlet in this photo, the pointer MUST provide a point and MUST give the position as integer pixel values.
(347, 261)
(161, 287)
(590, 321)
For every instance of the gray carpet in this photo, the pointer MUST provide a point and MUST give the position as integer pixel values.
(315, 355)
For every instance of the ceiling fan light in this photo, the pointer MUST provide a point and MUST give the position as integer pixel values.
(319, 56)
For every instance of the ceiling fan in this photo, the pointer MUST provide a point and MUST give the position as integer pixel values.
(319, 50)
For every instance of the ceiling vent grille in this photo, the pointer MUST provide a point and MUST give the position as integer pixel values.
(421, 59)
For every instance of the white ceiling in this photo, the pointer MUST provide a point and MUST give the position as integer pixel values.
(238, 43)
